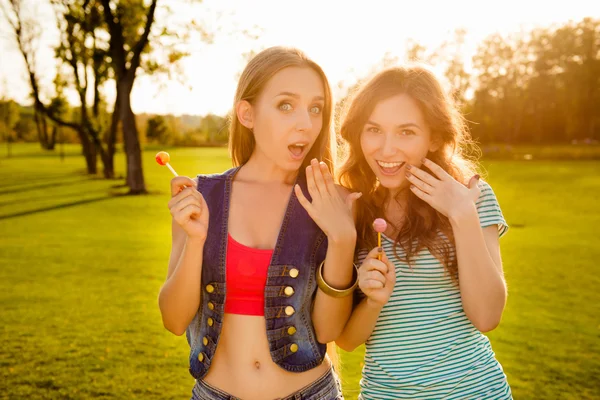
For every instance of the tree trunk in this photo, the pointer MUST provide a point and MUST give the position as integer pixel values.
(107, 162)
(108, 158)
(108, 165)
(40, 127)
(89, 152)
(135, 173)
(52, 140)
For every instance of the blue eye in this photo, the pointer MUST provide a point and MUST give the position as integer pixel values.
(316, 110)
(285, 107)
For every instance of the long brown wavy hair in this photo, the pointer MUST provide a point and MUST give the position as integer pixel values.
(456, 154)
(261, 68)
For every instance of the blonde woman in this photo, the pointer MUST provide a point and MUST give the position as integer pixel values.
(261, 272)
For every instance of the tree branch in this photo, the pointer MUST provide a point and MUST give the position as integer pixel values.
(139, 46)
(116, 40)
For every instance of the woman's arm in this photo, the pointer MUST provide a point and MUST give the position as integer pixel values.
(360, 325)
(330, 314)
(331, 209)
(179, 297)
(377, 279)
(481, 280)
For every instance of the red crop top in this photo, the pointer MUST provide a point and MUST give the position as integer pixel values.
(246, 272)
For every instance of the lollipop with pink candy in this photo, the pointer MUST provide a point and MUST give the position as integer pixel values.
(379, 225)
(162, 158)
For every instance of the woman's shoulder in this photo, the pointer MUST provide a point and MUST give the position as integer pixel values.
(486, 192)
(484, 185)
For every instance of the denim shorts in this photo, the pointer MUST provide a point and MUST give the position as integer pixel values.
(327, 387)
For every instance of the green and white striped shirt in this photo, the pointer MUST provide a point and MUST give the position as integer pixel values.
(423, 345)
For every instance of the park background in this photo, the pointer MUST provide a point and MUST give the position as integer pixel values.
(84, 227)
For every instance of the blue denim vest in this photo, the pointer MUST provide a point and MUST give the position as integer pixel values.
(289, 291)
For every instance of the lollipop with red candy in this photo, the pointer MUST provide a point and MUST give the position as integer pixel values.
(162, 158)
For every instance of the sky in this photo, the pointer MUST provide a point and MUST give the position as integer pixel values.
(346, 38)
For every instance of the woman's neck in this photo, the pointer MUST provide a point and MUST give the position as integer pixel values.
(261, 169)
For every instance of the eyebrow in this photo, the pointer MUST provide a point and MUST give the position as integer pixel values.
(401, 126)
(297, 96)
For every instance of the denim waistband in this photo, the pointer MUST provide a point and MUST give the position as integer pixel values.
(327, 387)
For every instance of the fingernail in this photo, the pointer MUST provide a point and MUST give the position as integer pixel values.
(380, 249)
(359, 195)
(412, 186)
(408, 166)
(408, 174)
(476, 176)
(424, 160)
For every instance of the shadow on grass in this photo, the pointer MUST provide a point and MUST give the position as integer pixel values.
(46, 185)
(60, 206)
(37, 197)
(41, 177)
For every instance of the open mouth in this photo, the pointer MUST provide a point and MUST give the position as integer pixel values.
(298, 150)
(390, 168)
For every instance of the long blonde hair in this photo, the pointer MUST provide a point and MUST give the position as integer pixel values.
(251, 83)
(422, 223)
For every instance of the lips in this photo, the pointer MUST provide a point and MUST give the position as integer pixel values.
(389, 167)
(298, 150)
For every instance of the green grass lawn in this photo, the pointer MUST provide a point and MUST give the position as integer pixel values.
(81, 266)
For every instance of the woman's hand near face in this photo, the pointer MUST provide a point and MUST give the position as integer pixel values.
(328, 209)
(443, 192)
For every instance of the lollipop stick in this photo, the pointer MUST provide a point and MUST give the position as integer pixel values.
(379, 244)
(171, 168)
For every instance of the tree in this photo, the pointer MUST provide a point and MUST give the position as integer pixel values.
(540, 86)
(122, 17)
(23, 129)
(9, 117)
(130, 24)
(26, 33)
(156, 130)
(84, 51)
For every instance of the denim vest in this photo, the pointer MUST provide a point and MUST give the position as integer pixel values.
(289, 291)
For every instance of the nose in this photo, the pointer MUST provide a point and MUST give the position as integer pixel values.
(388, 148)
(303, 121)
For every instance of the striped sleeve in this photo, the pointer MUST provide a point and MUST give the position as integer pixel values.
(489, 210)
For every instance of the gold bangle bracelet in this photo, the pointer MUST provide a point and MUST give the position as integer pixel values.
(333, 292)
